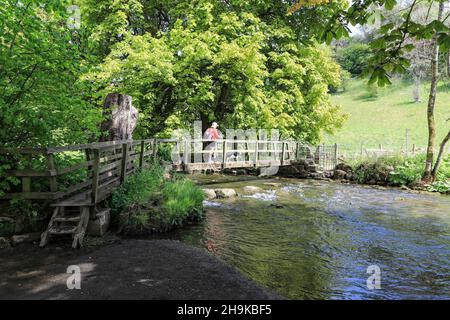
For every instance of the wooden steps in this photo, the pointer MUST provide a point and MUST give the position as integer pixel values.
(66, 221)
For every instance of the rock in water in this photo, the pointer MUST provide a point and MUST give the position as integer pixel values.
(121, 117)
(339, 174)
(225, 193)
(209, 194)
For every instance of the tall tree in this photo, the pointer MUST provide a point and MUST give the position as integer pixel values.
(240, 63)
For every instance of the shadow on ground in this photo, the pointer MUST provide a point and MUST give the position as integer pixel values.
(130, 269)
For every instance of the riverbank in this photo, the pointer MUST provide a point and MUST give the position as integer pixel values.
(125, 269)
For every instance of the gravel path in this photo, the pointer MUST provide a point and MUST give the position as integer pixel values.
(130, 269)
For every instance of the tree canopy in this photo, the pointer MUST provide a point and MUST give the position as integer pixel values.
(245, 63)
(233, 67)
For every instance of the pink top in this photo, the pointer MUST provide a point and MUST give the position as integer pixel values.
(212, 133)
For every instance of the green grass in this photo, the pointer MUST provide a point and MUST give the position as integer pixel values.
(147, 202)
(383, 118)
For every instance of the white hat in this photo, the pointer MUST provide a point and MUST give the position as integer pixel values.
(214, 125)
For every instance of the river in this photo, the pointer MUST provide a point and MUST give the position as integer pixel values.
(307, 239)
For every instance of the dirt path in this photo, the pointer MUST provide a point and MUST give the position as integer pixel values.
(130, 269)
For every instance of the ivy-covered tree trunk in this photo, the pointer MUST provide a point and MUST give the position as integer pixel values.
(428, 176)
(120, 118)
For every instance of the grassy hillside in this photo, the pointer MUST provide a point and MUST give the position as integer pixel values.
(382, 115)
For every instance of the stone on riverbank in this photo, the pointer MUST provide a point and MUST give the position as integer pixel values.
(225, 193)
(210, 194)
(29, 237)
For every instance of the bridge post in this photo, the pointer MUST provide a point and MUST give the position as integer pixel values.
(95, 175)
(155, 148)
(186, 153)
(256, 153)
(52, 168)
(336, 154)
(26, 181)
(224, 158)
(123, 168)
(141, 155)
(282, 152)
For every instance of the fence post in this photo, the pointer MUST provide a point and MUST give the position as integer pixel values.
(26, 181)
(52, 169)
(95, 175)
(123, 167)
(224, 160)
(256, 153)
(362, 149)
(141, 156)
(186, 154)
(155, 148)
(336, 154)
(282, 152)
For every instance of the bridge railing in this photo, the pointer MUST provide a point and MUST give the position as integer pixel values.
(99, 167)
(102, 166)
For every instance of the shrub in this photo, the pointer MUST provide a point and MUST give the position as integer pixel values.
(375, 171)
(440, 186)
(147, 203)
(182, 200)
(354, 57)
(27, 215)
(137, 189)
(6, 229)
(400, 171)
(408, 172)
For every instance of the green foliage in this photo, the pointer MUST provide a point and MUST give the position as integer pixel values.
(6, 229)
(68, 159)
(137, 189)
(354, 57)
(408, 171)
(215, 63)
(400, 171)
(41, 100)
(182, 200)
(376, 170)
(27, 213)
(440, 186)
(148, 203)
(444, 170)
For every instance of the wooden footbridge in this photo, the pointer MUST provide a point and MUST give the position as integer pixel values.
(76, 191)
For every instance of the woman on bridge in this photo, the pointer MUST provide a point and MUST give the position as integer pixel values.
(212, 134)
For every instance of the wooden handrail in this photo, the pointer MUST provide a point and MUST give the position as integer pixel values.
(110, 162)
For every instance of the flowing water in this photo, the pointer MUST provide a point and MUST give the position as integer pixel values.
(308, 239)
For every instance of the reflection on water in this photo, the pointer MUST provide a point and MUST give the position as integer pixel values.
(315, 240)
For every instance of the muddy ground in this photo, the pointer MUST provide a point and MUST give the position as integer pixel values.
(126, 269)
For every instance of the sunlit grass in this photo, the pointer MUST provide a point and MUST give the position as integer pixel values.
(384, 118)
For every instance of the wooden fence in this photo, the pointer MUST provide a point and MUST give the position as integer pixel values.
(105, 165)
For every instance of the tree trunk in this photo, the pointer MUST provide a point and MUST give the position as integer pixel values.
(440, 156)
(448, 63)
(428, 172)
(120, 118)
